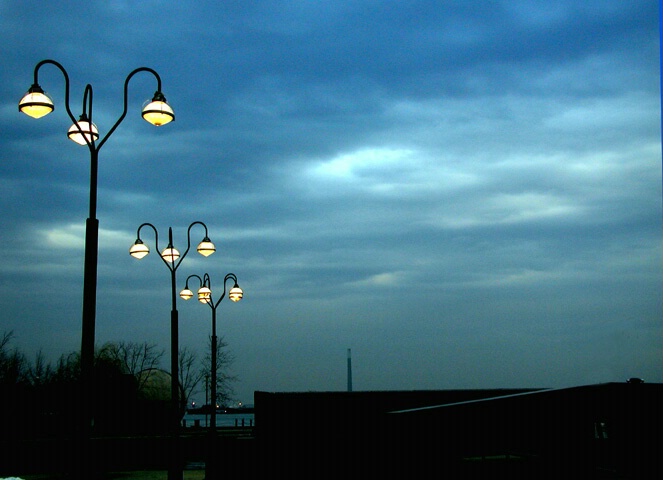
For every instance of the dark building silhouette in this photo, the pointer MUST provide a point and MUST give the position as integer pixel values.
(599, 431)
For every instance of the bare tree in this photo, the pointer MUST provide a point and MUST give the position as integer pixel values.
(13, 367)
(68, 368)
(224, 380)
(132, 358)
(5, 339)
(41, 372)
(190, 378)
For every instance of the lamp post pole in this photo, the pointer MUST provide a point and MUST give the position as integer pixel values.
(205, 296)
(172, 259)
(36, 103)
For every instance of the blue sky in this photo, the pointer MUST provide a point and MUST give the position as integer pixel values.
(466, 194)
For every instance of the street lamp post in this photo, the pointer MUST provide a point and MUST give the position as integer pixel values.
(205, 296)
(172, 258)
(36, 103)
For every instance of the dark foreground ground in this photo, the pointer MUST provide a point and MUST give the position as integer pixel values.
(475, 472)
(243, 456)
(132, 475)
(251, 463)
(606, 431)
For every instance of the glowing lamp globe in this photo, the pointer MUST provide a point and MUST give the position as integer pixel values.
(186, 294)
(157, 111)
(204, 295)
(36, 103)
(206, 247)
(235, 294)
(90, 131)
(139, 250)
(170, 254)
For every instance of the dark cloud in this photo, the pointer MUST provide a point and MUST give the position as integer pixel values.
(465, 196)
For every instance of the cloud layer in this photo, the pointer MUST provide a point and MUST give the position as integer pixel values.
(466, 195)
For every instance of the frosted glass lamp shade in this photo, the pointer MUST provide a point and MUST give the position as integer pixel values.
(139, 250)
(157, 111)
(170, 254)
(235, 294)
(186, 294)
(36, 103)
(204, 295)
(90, 132)
(206, 247)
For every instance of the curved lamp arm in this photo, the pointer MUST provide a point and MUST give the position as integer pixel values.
(139, 249)
(205, 247)
(38, 100)
(186, 293)
(48, 103)
(37, 104)
(235, 293)
(158, 96)
(205, 290)
(76, 132)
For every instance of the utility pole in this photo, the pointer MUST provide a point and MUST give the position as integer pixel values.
(349, 372)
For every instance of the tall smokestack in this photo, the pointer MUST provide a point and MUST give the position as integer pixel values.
(349, 372)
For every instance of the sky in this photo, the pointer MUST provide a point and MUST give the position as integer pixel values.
(465, 194)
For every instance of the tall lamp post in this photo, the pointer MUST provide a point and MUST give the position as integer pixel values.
(205, 296)
(36, 103)
(172, 258)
